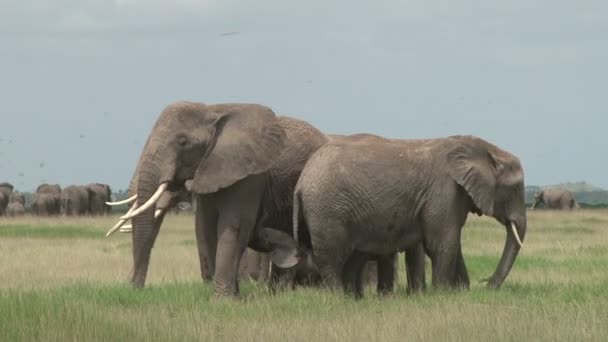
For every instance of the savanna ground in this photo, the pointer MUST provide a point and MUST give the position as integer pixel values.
(61, 280)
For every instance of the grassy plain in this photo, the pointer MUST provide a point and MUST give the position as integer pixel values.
(61, 280)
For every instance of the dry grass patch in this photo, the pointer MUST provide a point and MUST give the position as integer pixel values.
(62, 280)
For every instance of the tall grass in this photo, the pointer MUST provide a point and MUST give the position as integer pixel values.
(62, 281)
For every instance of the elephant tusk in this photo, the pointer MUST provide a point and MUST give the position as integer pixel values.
(116, 227)
(127, 229)
(120, 222)
(159, 192)
(158, 212)
(127, 201)
(514, 230)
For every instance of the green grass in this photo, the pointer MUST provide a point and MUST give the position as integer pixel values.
(50, 232)
(60, 280)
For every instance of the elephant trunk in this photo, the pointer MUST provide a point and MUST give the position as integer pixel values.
(145, 228)
(509, 253)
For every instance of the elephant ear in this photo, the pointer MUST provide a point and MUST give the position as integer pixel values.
(476, 170)
(246, 140)
(284, 250)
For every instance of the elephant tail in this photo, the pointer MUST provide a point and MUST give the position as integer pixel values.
(298, 216)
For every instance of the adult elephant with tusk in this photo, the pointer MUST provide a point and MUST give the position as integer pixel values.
(243, 162)
(366, 197)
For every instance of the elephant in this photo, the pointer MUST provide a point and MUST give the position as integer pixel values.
(16, 204)
(75, 200)
(99, 194)
(555, 198)
(366, 197)
(5, 193)
(243, 162)
(47, 200)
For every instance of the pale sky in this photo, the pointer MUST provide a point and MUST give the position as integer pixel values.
(82, 82)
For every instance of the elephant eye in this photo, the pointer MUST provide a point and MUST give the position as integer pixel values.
(182, 141)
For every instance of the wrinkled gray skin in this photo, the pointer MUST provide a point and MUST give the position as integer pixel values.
(99, 194)
(5, 193)
(243, 162)
(47, 200)
(16, 204)
(365, 197)
(75, 200)
(555, 199)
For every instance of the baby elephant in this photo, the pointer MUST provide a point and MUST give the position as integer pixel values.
(364, 197)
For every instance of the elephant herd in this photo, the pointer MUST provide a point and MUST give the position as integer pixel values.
(321, 206)
(12, 203)
(51, 200)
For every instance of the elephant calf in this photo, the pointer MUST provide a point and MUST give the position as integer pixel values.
(365, 197)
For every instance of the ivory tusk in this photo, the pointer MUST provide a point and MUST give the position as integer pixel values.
(120, 222)
(126, 201)
(514, 230)
(159, 192)
(158, 212)
(127, 228)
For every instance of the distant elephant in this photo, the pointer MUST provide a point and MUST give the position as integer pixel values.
(5, 193)
(366, 197)
(555, 198)
(16, 204)
(243, 162)
(47, 200)
(99, 194)
(75, 200)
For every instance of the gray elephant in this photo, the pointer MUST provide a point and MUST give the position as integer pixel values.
(243, 162)
(365, 197)
(16, 204)
(47, 200)
(75, 200)
(5, 193)
(555, 198)
(99, 194)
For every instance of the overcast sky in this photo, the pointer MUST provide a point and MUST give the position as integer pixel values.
(82, 82)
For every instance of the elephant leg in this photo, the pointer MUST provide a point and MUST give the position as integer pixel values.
(264, 267)
(352, 274)
(462, 276)
(330, 267)
(253, 260)
(230, 247)
(414, 268)
(330, 271)
(238, 208)
(386, 274)
(444, 258)
(206, 238)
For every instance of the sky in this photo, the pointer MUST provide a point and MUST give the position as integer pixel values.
(82, 82)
